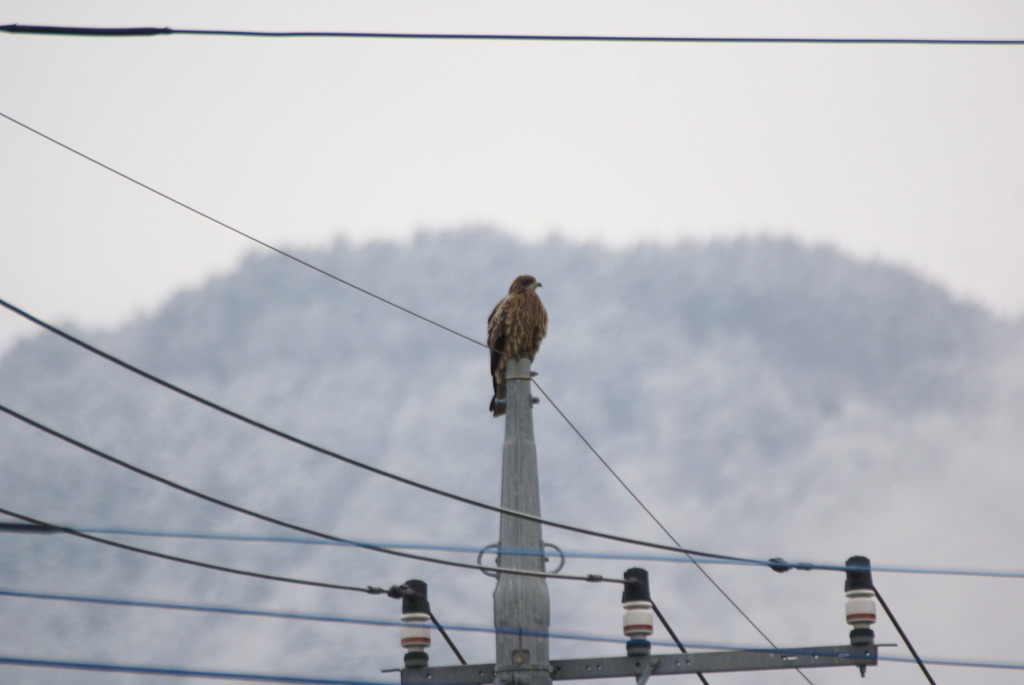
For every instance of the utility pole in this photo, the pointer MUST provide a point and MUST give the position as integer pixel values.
(522, 608)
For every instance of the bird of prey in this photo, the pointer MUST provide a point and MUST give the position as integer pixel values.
(514, 331)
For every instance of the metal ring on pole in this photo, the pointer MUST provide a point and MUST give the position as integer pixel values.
(494, 574)
(480, 560)
(561, 563)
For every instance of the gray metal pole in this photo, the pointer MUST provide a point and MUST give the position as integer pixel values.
(522, 608)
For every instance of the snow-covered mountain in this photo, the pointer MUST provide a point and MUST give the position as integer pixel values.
(762, 397)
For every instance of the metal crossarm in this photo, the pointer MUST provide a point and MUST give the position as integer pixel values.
(662, 664)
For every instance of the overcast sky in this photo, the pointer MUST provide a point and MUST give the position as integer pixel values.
(912, 154)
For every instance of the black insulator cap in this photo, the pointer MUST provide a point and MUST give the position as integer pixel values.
(414, 601)
(637, 588)
(862, 636)
(858, 574)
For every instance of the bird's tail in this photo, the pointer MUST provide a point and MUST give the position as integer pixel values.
(498, 401)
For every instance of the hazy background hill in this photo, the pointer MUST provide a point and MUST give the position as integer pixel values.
(763, 397)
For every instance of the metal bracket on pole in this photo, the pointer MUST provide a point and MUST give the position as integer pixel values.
(648, 670)
(497, 550)
(663, 664)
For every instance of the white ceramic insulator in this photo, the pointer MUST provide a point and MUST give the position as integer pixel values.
(860, 608)
(637, 620)
(416, 632)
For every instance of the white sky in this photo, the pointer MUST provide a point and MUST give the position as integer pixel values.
(908, 153)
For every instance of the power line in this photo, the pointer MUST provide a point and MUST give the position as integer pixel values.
(604, 463)
(255, 613)
(451, 547)
(25, 528)
(294, 616)
(386, 623)
(238, 231)
(166, 384)
(650, 513)
(906, 640)
(370, 590)
(222, 610)
(179, 672)
(232, 611)
(675, 638)
(568, 553)
(961, 663)
(108, 32)
(444, 634)
(262, 517)
(354, 462)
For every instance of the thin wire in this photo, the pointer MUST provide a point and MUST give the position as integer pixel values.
(394, 624)
(108, 601)
(180, 672)
(370, 590)
(672, 634)
(673, 558)
(906, 640)
(231, 611)
(964, 663)
(444, 634)
(262, 517)
(603, 462)
(155, 31)
(700, 568)
(240, 232)
(354, 462)
(26, 528)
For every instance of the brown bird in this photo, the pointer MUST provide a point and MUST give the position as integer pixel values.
(514, 331)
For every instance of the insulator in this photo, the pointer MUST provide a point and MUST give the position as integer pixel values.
(638, 614)
(860, 608)
(637, 620)
(860, 600)
(415, 633)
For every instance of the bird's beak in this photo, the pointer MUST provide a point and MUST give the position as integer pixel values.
(540, 285)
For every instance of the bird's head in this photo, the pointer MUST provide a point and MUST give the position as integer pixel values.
(523, 284)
